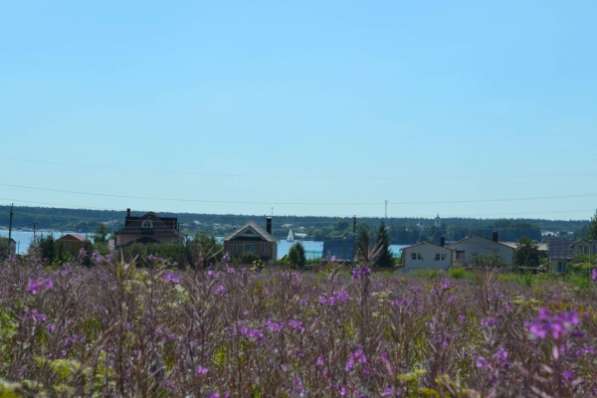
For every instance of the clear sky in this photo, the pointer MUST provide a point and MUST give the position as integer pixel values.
(309, 107)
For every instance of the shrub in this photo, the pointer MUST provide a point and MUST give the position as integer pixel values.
(296, 256)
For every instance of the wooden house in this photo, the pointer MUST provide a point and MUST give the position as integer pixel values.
(73, 243)
(252, 241)
(148, 228)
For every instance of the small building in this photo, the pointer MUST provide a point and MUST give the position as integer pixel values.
(148, 228)
(560, 254)
(584, 247)
(8, 247)
(426, 255)
(252, 242)
(73, 243)
(468, 250)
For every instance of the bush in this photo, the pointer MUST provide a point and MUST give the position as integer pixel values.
(296, 256)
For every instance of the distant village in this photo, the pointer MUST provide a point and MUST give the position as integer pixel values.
(255, 240)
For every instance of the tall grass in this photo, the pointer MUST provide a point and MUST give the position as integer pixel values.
(117, 330)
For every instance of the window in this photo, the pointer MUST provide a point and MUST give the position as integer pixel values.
(419, 256)
(443, 257)
(437, 256)
(413, 256)
(147, 224)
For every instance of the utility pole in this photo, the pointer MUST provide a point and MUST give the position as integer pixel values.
(10, 224)
(354, 238)
(386, 210)
(34, 232)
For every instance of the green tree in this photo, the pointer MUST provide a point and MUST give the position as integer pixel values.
(383, 255)
(47, 248)
(296, 256)
(101, 234)
(527, 254)
(363, 245)
(204, 250)
(592, 232)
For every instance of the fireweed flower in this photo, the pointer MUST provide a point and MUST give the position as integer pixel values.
(339, 297)
(37, 316)
(171, 277)
(360, 272)
(488, 322)
(554, 325)
(296, 325)
(250, 333)
(273, 327)
(201, 371)
(501, 356)
(481, 363)
(220, 290)
(357, 357)
(594, 275)
(38, 285)
(320, 362)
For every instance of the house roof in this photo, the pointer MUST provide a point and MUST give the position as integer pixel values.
(78, 237)
(561, 249)
(506, 244)
(260, 231)
(426, 243)
(542, 247)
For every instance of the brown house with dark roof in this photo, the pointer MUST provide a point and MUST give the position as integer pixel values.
(148, 228)
(252, 241)
(73, 243)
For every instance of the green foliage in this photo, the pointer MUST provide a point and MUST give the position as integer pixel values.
(363, 245)
(384, 257)
(527, 254)
(460, 273)
(296, 256)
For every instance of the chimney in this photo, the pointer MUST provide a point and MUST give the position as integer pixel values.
(496, 236)
(268, 225)
(442, 241)
(128, 212)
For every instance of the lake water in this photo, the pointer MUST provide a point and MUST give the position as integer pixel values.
(313, 249)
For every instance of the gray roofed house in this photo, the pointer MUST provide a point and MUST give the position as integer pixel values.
(252, 242)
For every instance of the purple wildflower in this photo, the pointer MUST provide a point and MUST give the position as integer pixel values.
(357, 357)
(250, 333)
(296, 325)
(201, 371)
(220, 290)
(481, 363)
(320, 362)
(594, 275)
(171, 277)
(554, 325)
(360, 272)
(273, 326)
(37, 316)
(38, 285)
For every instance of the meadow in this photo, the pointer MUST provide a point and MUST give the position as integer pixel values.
(117, 330)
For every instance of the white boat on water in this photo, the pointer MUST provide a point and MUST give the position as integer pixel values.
(290, 237)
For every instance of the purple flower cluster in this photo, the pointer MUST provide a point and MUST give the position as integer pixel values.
(339, 297)
(252, 334)
(594, 275)
(38, 285)
(555, 325)
(357, 357)
(361, 272)
(171, 277)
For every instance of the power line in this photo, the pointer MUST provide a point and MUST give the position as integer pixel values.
(299, 203)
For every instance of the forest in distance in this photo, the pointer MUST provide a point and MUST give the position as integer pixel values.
(401, 230)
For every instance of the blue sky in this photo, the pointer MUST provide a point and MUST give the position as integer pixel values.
(310, 107)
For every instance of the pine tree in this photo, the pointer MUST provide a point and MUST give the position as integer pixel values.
(362, 245)
(593, 228)
(296, 255)
(384, 257)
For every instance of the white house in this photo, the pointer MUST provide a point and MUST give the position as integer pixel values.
(426, 255)
(467, 250)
